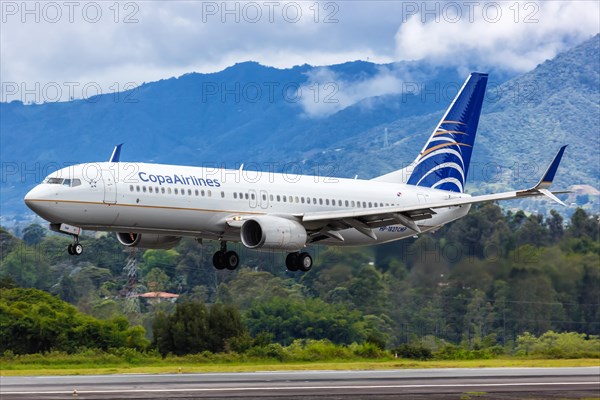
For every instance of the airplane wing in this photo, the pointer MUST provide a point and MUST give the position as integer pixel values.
(364, 220)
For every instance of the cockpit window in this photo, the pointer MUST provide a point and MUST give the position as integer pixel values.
(64, 182)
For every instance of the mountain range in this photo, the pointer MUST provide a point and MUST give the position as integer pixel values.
(356, 118)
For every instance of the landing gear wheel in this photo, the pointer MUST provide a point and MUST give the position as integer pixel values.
(226, 259)
(291, 262)
(77, 249)
(304, 261)
(231, 260)
(219, 260)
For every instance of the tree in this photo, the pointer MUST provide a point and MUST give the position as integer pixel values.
(288, 319)
(162, 259)
(27, 267)
(193, 329)
(33, 234)
(33, 321)
(555, 226)
(224, 323)
(156, 280)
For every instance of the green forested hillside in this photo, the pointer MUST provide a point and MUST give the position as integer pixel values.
(481, 282)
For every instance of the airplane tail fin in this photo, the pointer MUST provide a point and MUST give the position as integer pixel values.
(444, 161)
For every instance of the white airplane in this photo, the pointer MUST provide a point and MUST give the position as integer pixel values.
(153, 205)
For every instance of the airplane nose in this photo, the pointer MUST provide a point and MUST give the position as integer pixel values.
(30, 198)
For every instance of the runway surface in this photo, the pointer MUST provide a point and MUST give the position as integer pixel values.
(485, 383)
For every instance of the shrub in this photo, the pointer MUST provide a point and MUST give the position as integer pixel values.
(413, 351)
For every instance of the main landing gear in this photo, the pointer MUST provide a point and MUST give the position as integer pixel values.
(299, 261)
(225, 259)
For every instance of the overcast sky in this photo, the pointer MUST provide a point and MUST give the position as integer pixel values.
(76, 47)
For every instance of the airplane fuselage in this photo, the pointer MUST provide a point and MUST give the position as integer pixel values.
(198, 202)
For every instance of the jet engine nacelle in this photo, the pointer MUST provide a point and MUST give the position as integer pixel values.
(273, 233)
(147, 240)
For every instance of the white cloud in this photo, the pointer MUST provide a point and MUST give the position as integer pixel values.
(171, 38)
(326, 93)
(507, 35)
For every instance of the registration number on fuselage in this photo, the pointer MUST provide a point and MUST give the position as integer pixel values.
(392, 228)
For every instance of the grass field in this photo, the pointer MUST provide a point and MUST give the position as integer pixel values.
(56, 367)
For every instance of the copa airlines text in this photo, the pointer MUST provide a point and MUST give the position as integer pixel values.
(154, 206)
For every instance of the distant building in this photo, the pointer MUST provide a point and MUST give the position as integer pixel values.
(159, 297)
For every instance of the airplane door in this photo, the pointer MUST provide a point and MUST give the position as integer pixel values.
(253, 201)
(264, 199)
(110, 187)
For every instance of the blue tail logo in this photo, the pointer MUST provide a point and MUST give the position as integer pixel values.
(444, 161)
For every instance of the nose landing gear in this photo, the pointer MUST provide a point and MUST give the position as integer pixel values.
(225, 259)
(75, 249)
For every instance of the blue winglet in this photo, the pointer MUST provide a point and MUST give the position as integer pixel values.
(548, 177)
(116, 154)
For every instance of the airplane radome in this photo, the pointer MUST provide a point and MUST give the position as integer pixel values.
(154, 206)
